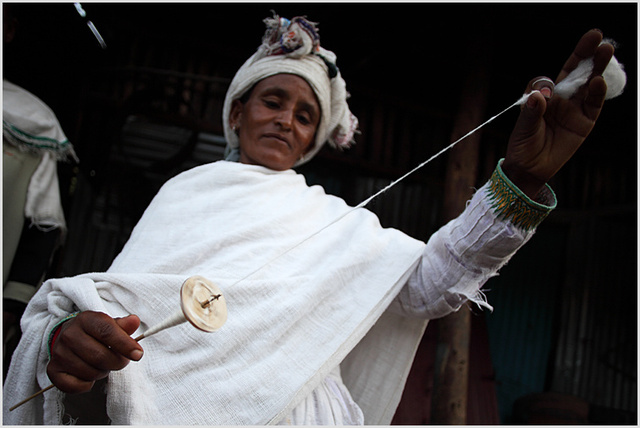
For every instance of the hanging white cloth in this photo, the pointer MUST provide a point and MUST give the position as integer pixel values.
(31, 126)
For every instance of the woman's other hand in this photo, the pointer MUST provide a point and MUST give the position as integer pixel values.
(88, 347)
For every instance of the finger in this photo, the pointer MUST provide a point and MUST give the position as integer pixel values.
(544, 85)
(595, 97)
(70, 384)
(111, 343)
(111, 333)
(70, 373)
(74, 371)
(601, 58)
(130, 348)
(100, 357)
(129, 324)
(528, 122)
(81, 354)
(585, 48)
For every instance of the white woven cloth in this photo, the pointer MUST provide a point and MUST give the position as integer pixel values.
(30, 125)
(289, 324)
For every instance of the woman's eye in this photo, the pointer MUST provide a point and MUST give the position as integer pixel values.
(304, 119)
(271, 103)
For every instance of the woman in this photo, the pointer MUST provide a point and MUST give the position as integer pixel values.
(323, 323)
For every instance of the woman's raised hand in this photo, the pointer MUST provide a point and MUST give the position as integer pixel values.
(550, 129)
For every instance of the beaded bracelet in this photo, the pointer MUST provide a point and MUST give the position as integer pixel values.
(510, 203)
(53, 335)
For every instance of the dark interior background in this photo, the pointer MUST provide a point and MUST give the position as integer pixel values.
(148, 106)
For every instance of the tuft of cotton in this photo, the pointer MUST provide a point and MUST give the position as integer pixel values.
(614, 75)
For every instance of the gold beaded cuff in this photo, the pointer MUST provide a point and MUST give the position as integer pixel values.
(509, 203)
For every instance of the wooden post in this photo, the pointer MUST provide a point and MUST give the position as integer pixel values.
(451, 373)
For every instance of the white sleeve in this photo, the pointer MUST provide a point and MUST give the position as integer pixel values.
(461, 256)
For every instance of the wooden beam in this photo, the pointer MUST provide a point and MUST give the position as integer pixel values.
(451, 373)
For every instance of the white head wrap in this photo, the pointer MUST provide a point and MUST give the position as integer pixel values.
(293, 47)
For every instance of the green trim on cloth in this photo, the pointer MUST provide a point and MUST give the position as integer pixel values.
(510, 203)
(34, 142)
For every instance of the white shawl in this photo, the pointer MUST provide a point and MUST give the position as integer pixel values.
(289, 323)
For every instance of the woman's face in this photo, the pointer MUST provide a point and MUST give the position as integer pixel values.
(278, 124)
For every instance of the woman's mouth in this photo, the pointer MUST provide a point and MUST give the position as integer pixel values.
(278, 137)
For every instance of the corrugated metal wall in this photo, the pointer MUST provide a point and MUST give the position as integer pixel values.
(596, 350)
(570, 326)
(521, 327)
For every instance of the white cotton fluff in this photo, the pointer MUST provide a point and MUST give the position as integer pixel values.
(614, 76)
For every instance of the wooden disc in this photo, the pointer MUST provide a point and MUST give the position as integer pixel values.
(199, 305)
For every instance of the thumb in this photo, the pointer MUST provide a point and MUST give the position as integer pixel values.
(530, 116)
(129, 323)
(535, 106)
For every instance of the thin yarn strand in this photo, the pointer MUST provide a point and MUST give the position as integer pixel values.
(366, 201)
(362, 204)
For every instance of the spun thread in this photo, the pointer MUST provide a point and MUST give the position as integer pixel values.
(362, 204)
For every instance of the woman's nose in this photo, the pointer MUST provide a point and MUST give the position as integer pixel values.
(285, 118)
